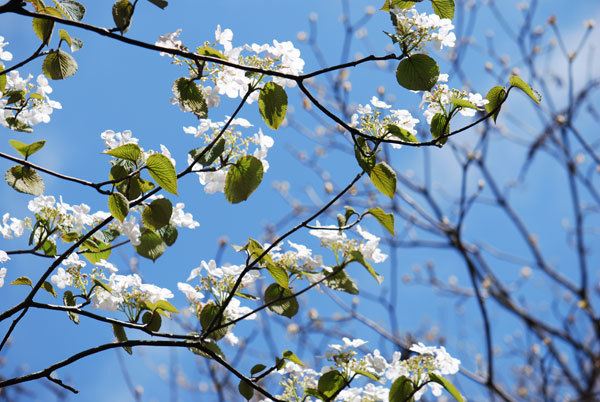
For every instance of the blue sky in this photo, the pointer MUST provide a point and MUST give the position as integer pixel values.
(118, 87)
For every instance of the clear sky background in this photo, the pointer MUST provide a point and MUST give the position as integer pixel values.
(119, 87)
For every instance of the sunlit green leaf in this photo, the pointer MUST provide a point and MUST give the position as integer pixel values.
(25, 180)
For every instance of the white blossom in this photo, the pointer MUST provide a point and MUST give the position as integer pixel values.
(62, 278)
(169, 40)
(4, 55)
(2, 276)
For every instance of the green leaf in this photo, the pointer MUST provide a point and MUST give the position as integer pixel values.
(27, 150)
(341, 281)
(401, 389)
(365, 162)
(169, 234)
(367, 374)
(49, 248)
(288, 307)
(47, 286)
(384, 179)
(22, 280)
(440, 126)
(257, 368)
(289, 355)
(272, 104)
(463, 103)
(209, 51)
(444, 8)
(163, 172)
(358, 257)
(25, 180)
(386, 220)
(401, 133)
(130, 152)
(418, 72)
(118, 206)
(402, 4)
(121, 336)
(211, 155)
(245, 390)
(280, 275)
(159, 3)
(157, 214)
(69, 300)
(208, 313)
(14, 96)
(152, 321)
(151, 245)
(517, 82)
(59, 65)
(495, 96)
(189, 97)
(448, 385)
(43, 29)
(330, 383)
(102, 285)
(243, 178)
(130, 188)
(64, 35)
(163, 305)
(18, 125)
(122, 11)
(210, 345)
(2, 80)
(71, 9)
(99, 250)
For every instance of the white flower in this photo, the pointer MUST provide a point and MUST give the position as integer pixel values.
(104, 300)
(3, 256)
(4, 55)
(235, 311)
(183, 219)
(379, 104)
(213, 181)
(62, 278)
(348, 343)
(369, 249)
(169, 41)
(153, 293)
(224, 38)
(328, 236)
(114, 140)
(107, 265)
(190, 292)
(43, 87)
(73, 261)
(2, 276)
(41, 202)
(129, 228)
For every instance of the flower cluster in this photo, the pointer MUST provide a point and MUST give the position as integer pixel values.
(299, 261)
(342, 246)
(414, 30)
(24, 103)
(3, 258)
(296, 379)
(128, 294)
(441, 97)
(218, 282)
(116, 139)
(369, 120)
(236, 146)
(231, 81)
